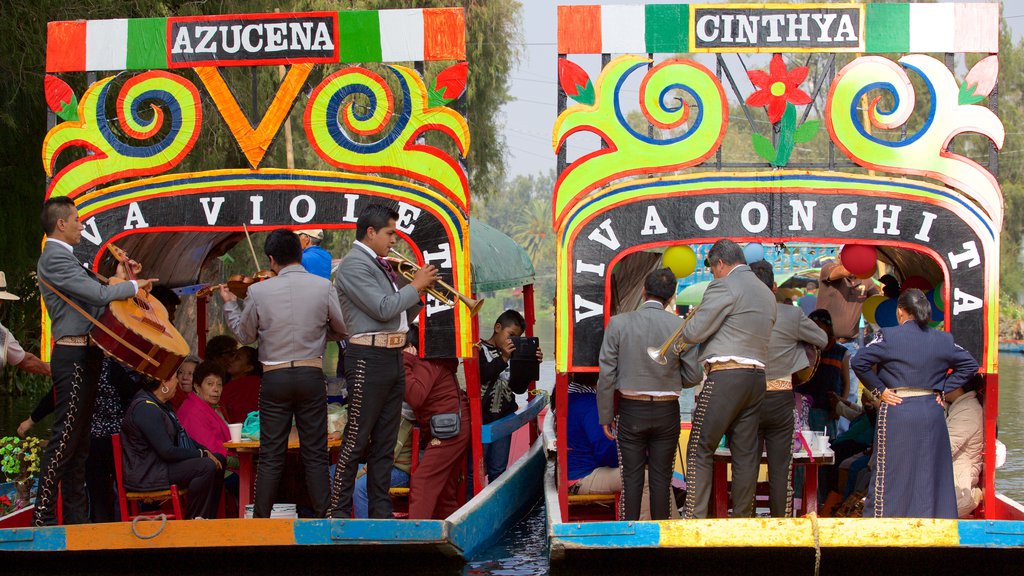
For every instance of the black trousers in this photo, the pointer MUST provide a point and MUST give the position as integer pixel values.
(648, 434)
(730, 403)
(776, 435)
(376, 385)
(286, 393)
(100, 480)
(76, 371)
(203, 481)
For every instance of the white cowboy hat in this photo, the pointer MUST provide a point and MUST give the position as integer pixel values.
(4, 294)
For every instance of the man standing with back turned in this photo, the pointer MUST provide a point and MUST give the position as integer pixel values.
(647, 423)
(376, 313)
(75, 361)
(293, 314)
(733, 325)
(785, 356)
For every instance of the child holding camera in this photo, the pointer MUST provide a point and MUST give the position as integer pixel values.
(501, 378)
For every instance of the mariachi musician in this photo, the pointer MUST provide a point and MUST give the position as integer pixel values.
(75, 361)
(786, 356)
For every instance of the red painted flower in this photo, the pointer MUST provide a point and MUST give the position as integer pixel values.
(777, 87)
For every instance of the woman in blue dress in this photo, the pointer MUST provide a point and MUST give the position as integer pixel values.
(907, 367)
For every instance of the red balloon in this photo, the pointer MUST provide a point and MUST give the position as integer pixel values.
(859, 259)
(915, 282)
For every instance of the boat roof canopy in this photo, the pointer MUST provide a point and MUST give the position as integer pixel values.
(497, 261)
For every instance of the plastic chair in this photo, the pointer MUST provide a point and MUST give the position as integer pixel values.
(126, 498)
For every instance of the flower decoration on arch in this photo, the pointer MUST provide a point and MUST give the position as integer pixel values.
(779, 90)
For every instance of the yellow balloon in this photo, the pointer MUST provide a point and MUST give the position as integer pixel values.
(869, 307)
(681, 260)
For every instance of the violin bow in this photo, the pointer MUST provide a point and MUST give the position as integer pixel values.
(255, 260)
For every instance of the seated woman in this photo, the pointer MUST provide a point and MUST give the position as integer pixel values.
(157, 451)
(201, 415)
(185, 373)
(242, 391)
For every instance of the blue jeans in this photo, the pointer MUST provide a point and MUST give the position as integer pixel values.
(496, 457)
(360, 498)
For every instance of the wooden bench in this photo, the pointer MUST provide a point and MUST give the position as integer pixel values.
(596, 499)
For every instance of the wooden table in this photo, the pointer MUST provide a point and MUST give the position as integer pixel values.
(247, 451)
(809, 462)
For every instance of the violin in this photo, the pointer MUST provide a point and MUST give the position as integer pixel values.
(238, 284)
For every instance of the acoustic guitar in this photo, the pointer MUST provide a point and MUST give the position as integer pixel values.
(138, 332)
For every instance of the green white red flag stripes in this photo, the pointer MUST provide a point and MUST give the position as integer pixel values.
(247, 39)
(778, 27)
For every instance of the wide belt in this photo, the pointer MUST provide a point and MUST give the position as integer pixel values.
(779, 384)
(729, 365)
(386, 340)
(74, 340)
(913, 392)
(650, 397)
(310, 363)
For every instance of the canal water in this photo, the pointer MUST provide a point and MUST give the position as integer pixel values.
(522, 551)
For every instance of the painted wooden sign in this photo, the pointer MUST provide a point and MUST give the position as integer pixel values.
(256, 39)
(628, 195)
(771, 207)
(120, 140)
(870, 28)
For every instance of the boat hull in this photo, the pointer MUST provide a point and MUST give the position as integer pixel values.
(480, 522)
(712, 545)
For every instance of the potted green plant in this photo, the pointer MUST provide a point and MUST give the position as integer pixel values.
(19, 462)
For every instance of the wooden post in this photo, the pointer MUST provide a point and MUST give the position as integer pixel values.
(531, 320)
(561, 436)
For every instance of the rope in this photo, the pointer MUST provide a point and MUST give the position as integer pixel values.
(163, 524)
(817, 542)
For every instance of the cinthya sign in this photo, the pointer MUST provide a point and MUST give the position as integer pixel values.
(262, 38)
(802, 26)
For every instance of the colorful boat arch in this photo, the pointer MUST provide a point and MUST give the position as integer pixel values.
(219, 202)
(774, 207)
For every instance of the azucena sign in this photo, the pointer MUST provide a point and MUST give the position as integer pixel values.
(252, 39)
(807, 26)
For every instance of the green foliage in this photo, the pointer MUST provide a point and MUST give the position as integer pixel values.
(19, 459)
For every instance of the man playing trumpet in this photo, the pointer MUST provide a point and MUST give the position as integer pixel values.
(733, 325)
(375, 312)
(647, 423)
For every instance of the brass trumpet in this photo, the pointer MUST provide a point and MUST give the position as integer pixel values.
(446, 294)
(674, 344)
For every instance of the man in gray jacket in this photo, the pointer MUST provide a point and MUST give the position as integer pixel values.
(733, 325)
(785, 356)
(75, 361)
(375, 311)
(647, 424)
(293, 315)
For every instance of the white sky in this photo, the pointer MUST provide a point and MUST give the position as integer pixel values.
(529, 118)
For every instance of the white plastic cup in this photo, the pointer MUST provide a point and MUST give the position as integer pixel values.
(820, 441)
(811, 444)
(236, 432)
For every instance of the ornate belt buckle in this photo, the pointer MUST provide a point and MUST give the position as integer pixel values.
(395, 340)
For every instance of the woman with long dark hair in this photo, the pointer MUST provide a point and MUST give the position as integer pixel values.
(907, 367)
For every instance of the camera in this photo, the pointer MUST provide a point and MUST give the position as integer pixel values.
(525, 347)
